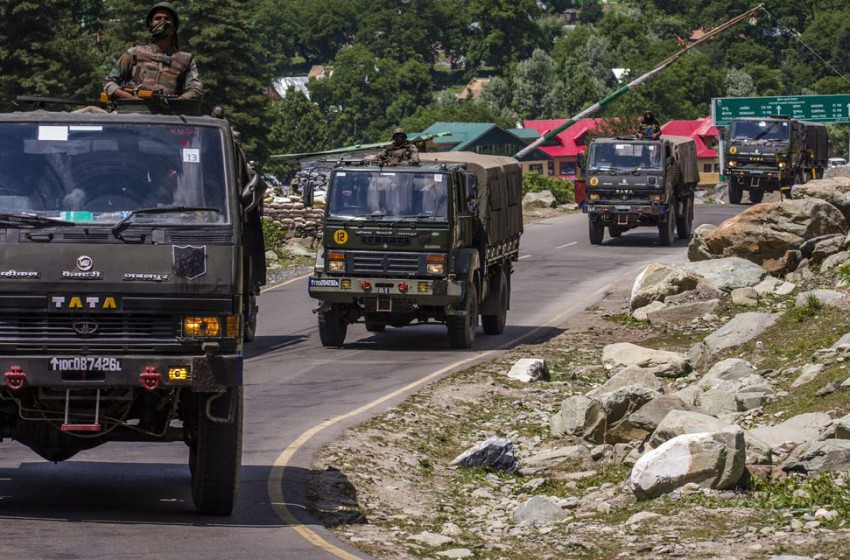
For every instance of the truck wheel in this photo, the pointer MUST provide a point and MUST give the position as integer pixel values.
(462, 328)
(374, 326)
(756, 196)
(734, 192)
(685, 222)
(614, 232)
(596, 231)
(215, 455)
(495, 324)
(332, 327)
(667, 230)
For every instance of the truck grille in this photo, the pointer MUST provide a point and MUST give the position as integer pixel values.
(405, 264)
(130, 328)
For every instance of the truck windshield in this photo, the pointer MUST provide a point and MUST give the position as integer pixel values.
(379, 194)
(759, 130)
(625, 155)
(100, 173)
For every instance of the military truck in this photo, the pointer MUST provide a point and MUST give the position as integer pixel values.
(433, 242)
(773, 154)
(131, 260)
(633, 182)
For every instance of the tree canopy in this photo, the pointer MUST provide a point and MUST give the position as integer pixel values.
(403, 61)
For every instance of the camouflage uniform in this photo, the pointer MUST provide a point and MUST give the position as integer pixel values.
(399, 152)
(170, 72)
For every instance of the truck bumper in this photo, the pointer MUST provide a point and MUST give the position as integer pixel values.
(433, 293)
(759, 178)
(199, 373)
(627, 214)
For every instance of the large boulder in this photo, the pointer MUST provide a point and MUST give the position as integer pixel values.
(835, 190)
(659, 281)
(741, 329)
(770, 234)
(661, 362)
(831, 455)
(796, 430)
(710, 459)
(728, 273)
(697, 248)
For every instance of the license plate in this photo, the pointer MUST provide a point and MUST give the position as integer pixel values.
(622, 207)
(85, 363)
(382, 290)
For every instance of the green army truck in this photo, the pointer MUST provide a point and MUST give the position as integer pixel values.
(130, 260)
(634, 182)
(433, 242)
(773, 154)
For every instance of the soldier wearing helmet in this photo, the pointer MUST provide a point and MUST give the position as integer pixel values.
(399, 152)
(159, 66)
(649, 128)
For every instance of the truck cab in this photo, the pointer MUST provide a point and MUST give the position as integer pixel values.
(131, 260)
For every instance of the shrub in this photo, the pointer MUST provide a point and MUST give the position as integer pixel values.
(561, 189)
(273, 234)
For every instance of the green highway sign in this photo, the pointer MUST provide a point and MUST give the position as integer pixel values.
(811, 108)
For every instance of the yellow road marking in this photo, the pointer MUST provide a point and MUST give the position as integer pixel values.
(275, 481)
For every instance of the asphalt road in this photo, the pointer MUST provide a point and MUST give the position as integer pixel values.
(133, 500)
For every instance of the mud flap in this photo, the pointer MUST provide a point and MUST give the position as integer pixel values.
(384, 305)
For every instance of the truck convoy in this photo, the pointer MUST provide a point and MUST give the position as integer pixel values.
(634, 182)
(433, 242)
(131, 259)
(773, 154)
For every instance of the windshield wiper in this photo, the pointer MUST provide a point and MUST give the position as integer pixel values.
(31, 220)
(124, 222)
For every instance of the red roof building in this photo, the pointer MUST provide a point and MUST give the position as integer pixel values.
(566, 147)
(705, 136)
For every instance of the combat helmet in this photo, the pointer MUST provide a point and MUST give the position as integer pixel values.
(399, 132)
(163, 6)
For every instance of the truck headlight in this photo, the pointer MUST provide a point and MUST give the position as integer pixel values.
(436, 268)
(336, 261)
(201, 327)
(781, 164)
(656, 198)
(732, 163)
(593, 197)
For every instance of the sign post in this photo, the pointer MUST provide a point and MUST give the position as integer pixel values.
(809, 108)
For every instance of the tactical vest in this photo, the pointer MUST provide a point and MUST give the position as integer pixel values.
(398, 154)
(158, 71)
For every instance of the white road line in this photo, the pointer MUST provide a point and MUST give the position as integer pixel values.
(567, 245)
(523, 257)
(274, 483)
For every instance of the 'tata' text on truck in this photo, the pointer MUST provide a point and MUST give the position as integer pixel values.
(633, 182)
(773, 154)
(132, 256)
(433, 242)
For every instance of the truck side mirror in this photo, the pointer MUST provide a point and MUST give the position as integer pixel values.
(253, 192)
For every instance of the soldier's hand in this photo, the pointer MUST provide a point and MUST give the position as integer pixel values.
(123, 94)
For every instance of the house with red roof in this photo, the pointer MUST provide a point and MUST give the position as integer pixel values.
(705, 136)
(565, 148)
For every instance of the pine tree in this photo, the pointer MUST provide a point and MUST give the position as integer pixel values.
(233, 70)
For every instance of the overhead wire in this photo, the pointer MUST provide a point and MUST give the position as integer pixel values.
(796, 34)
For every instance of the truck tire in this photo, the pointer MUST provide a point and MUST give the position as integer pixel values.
(495, 324)
(596, 231)
(332, 327)
(614, 232)
(756, 196)
(374, 326)
(462, 328)
(667, 229)
(685, 221)
(215, 454)
(734, 191)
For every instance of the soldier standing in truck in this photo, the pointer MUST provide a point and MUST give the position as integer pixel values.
(400, 151)
(159, 66)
